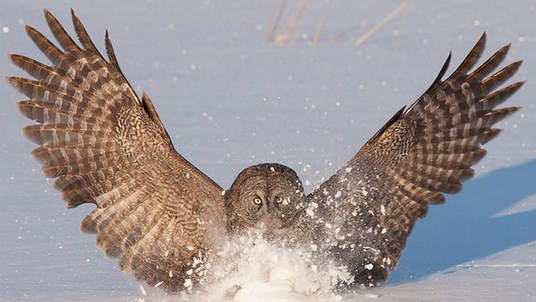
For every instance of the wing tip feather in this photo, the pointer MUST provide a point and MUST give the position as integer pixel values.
(437, 199)
(500, 114)
(467, 174)
(33, 134)
(13, 81)
(477, 157)
(25, 108)
(28, 28)
(74, 202)
(454, 188)
(514, 66)
(88, 225)
(16, 60)
(48, 14)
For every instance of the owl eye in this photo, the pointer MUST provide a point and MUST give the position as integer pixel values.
(257, 201)
(279, 200)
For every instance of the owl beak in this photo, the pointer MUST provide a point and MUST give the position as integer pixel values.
(273, 223)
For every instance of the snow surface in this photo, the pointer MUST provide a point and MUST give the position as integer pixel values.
(229, 101)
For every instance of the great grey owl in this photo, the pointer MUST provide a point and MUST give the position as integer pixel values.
(164, 219)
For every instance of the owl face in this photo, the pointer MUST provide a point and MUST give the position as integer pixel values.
(268, 198)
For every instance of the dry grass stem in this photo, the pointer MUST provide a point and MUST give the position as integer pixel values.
(336, 37)
(318, 33)
(285, 37)
(275, 19)
(363, 27)
(380, 24)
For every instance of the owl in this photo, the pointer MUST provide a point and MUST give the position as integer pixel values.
(165, 220)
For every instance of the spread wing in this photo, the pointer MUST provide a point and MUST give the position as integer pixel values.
(154, 210)
(372, 203)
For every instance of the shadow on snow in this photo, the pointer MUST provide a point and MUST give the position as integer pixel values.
(465, 229)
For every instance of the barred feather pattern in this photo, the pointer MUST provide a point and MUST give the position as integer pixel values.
(154, 211)
(372, 203)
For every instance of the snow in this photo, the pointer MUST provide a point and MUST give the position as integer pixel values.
(228, 102)
(265, 272)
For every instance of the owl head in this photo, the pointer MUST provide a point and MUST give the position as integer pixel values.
(265, 198)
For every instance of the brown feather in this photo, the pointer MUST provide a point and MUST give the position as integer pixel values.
(107, 148)
(414, 158)
(53, 53)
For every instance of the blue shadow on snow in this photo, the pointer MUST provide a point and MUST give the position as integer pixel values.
(464, 229)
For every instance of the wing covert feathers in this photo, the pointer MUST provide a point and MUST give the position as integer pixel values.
(104, 146)
(414, 159)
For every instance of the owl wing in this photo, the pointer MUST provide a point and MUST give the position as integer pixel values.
(155, 211)
(370, 205)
